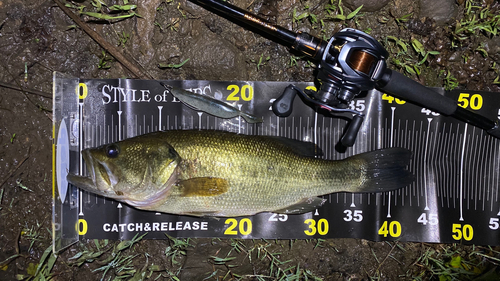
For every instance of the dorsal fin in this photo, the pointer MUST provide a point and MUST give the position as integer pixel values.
(302, 148)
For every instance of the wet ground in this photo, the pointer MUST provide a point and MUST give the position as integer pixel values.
(37, 38)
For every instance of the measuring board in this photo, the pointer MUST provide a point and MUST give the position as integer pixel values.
(454, 198)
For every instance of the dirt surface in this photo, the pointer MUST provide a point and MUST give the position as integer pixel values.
(39, 37)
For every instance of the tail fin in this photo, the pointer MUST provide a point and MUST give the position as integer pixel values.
(385, 169)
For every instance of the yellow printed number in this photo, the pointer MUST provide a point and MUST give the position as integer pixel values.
(392, 229)
(474, 101)
(246, 92)
(466, 231)
(244, 226)
(390, 99)
(81, 91)
(321, 227)
(81, 227)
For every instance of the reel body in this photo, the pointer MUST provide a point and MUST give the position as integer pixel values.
(353, 63)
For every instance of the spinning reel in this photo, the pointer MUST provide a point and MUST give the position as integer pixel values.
(351, 62)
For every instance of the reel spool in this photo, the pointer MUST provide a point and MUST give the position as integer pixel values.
(353, 63)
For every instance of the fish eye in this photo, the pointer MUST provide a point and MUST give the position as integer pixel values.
(112, 151)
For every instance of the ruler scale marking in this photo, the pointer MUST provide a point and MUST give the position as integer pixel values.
(434, 162)
(461, 198)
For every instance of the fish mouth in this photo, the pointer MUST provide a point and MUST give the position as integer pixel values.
(98, 180)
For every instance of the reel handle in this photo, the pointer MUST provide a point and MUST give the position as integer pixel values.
(283, 105)
(352, 131)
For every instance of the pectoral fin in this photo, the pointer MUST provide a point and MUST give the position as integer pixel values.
(303, 206)
(204, 186)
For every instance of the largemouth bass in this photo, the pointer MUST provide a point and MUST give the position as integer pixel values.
(209, 105)
(213, 173)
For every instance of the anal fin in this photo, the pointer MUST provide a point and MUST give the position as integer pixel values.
(303, 206)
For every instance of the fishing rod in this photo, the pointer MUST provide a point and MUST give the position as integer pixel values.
(351, 62)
